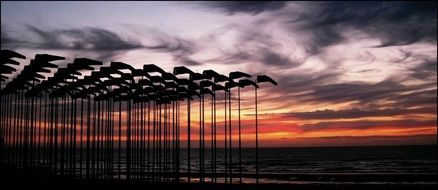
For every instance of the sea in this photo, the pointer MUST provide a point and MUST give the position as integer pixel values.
(367, 159)
(367, 164)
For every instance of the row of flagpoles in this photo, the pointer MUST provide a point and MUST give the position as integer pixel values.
(73, 125)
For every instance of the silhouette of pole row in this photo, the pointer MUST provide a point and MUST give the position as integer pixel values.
(119, 122)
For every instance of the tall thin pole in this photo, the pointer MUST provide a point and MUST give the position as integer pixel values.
(120, 141)
(203, 139)
(257, 139)
(112, 138)
(40, 113)
(154, 141)
(215, 138)
(188, 139)
(25, 157)
(212, 136)
(81, 138)
(73, 157)
(177, 142)
(88, 153)
(175, 139)
(55, 144)
(45, 141)
(230, 138)
(142, 140)
(149, 139)
(225, 138)
(200, 140)
(240, 137)
(159, 138)
(128, 143)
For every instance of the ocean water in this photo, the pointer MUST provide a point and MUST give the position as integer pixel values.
(377, 159)
(383, 159)
(391, 161)
(290, 162)
(373, 159)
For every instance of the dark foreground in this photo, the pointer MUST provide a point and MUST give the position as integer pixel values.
(13, 178)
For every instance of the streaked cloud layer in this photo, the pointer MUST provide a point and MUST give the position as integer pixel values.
(346, 71)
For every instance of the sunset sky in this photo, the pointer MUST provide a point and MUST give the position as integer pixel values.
(348, 73)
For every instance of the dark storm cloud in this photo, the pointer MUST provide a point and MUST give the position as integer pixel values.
(323, 24)
(250, 7)
(265, 56)
(251, 46)
(254, 45)
(7, 41)
(299, 86)
(105, 43)
(365, 93)
(324, 87)
(425, 71)
(367, 124)
(327, 24)
(258, 45)
(270, 57)
(87, 38)
(97, 43)
(187, 61)
(394, 23)
(172, 44)
(179, 49)
(296, 88)
(421, 97)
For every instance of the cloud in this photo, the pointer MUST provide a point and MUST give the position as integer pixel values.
(87, 38)
(249, 7)
(364, 93)
(317, 25)
(258, 45)
(320, 25)
(325, 24)
(421, 97)
(270, 57)
(360, 91)
(426, 71)
(326, 88)
(96, 43)
(373, 140)
(368, 124)
(180, 49)
(265, 56)
(7, 41)
(251, 46)
(358, 113)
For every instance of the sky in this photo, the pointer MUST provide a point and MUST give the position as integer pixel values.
(362, 73)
